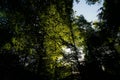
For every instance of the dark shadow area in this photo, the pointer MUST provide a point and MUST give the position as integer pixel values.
(11, 69)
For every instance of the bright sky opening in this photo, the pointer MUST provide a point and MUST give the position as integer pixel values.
(90, 12)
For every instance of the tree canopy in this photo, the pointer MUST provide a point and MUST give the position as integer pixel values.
(42, 39)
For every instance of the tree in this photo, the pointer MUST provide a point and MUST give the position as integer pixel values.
(30, 28)
(102, 51)
(37, 34)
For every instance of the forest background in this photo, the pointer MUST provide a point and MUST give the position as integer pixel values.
(44, 40)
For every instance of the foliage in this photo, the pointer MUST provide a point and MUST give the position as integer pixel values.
(34, 32)
(35, 37)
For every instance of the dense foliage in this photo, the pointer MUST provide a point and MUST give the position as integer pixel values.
(43, 40)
